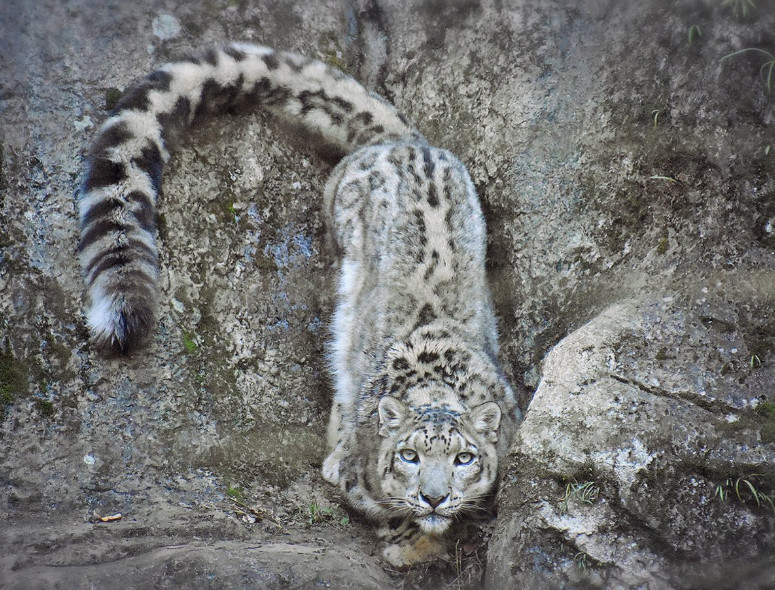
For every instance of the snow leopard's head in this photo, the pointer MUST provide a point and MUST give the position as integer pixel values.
(436, 462)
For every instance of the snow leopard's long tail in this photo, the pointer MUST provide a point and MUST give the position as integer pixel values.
(117, 201)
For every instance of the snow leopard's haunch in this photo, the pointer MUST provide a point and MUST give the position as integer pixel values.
(117, 202)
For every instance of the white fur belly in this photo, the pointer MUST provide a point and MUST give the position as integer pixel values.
(341, 354)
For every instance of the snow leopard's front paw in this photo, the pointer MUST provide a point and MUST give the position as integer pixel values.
(414, 551)
(331, 467)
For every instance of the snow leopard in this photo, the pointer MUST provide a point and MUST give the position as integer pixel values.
(422, 410)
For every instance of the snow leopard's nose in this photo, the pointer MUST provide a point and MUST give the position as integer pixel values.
(433, 501)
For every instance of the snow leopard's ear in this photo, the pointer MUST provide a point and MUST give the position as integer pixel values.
(485, 419)
(392, 414)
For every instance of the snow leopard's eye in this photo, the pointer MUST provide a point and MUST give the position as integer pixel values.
(464, 458)
(409, 456)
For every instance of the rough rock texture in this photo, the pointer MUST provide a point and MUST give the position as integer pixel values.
(626, 172)
(637, 463)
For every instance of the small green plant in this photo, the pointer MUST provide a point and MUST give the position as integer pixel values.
(189, 342)
(740, 7)
(314, 513)
(586, 493)
(458, 560)
(13, 379)
(694, 31)
(581, 561)
(755, 361)
(655, 115)
(766, 409)
(111, 98)
(235, 493)
(768, 65)
(745, 490)
(45, 408)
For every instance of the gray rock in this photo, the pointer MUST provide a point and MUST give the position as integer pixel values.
(642, 458)
(135, 558)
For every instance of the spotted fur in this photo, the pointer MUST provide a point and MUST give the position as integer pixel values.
(422, 410)
(117, 201)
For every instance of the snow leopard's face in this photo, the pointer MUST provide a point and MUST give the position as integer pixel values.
(436, 463)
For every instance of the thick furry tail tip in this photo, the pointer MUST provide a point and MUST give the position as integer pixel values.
(118, 324)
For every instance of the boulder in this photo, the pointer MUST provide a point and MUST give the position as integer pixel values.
(646, 456)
